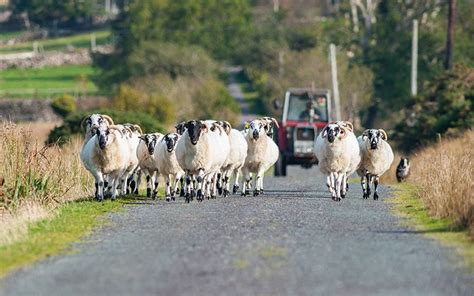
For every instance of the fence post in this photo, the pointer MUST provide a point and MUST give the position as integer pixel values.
(414, 59)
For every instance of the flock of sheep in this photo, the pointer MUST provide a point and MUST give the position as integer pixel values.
(201, 158)
(202, 155)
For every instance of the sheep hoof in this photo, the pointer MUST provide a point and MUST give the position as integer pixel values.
(247, 192)
(199, 196)
(226, 193)
(376, 196)
(168, 199)
(172, 198)
(219, 190)
(261, 191)
(235, 189)
(256, 192)
(343, 195)
(182, 193)
(99, 197)
(113, 197)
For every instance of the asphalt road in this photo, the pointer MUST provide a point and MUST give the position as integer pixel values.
(294, 240)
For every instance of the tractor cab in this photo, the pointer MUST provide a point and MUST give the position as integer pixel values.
(305, 112)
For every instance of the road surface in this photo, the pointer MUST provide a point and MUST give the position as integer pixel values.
(294, 240)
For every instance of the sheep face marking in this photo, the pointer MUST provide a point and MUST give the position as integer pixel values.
(256, 128)
(103, 136)
(333, 131)
(171, 140)
(374, 137)
(180, 127)
(95, 122)
(195, 128)
(150, 142)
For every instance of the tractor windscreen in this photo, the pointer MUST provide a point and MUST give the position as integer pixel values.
(302, 107)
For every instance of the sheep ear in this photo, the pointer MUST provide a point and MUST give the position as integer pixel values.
(325, 132)
(365, 135)
(204, 127)
(384, 134)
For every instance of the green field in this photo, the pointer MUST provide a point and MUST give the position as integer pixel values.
(82, 40)
(47, 82)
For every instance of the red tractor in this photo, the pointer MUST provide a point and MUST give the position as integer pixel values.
(305, 113)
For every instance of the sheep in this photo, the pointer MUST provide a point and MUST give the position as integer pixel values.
(147, 161)
(377, 156)
(235, 160)
(93, 122)
(403, 169)
(167, 163)
(194, 152)
(338, 153)
(132, 133)
(106, 153)
(262, 153)
(220, 160)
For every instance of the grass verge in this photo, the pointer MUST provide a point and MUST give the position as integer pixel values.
(49, 237)
(416, 215)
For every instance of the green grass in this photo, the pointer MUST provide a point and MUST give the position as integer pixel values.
(52, 236)
(10, 35)
(48, 81)
(415, 215)
(82, 40)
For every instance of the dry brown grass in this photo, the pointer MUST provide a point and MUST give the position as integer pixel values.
(444, 174)
(37, 178)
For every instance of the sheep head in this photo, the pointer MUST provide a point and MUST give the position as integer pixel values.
(150, 141)
(106, 136)
(268, 124)
(257, 128)
(171, 140)
(96, 121)
(195, 128)
(334, 131)
(373, 137)
(180, 127)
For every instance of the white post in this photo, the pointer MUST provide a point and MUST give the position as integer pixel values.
(414, 59)
(93, 42)
(335, 84)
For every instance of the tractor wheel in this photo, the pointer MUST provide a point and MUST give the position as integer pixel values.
(280, 166)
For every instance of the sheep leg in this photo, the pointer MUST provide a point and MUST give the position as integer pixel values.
(258, 183)
(363, 184)
(214, 181)
(344, 186)
(219, 184)
(99, 181)
(369, 183)
(329, 183)
(333, 177)
(235, 188)
(168, 186)
(156, 179)
(138, 181)
(188, 188)
(177, 178)
(200, 182)
(339, 178)
(148, 185)
(226, 185)
(376, 185)
(182, 192)
(245, 181)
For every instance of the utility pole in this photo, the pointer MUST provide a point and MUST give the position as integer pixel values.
(448, 62)
(414, 59)
(335, 84)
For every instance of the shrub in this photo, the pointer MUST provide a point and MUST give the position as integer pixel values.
(63, 105)
(444, 174)
(72, 124)
(445, 108)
